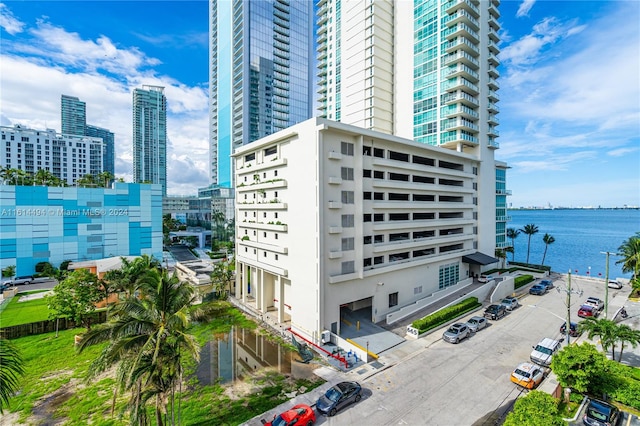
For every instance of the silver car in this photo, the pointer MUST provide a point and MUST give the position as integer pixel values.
(476, 323)
(510, 303)
(456, 333)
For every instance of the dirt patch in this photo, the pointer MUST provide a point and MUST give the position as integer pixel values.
(44, 408)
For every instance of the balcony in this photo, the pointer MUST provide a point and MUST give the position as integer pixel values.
(493, 96)
(457, 83)
(493, 59)
(462, 16)
(493, 131)
(503, 192)
(493, 47)
(493, 35)
(461, 30)
(456, 138)
(493, 119)
(461, 97)
(492, 107)
(462, 71)
(493, 71)
(462, 111)
(461, 57)
(459, 124)
(464, 44)
(493, 84)
(456, 5)
(493, 143)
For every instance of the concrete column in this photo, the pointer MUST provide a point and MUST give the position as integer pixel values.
(260, 302)
(280, 297)
(239, 279)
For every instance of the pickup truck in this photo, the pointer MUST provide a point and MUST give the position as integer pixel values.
(595, 302)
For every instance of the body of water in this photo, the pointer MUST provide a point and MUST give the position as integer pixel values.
(580, 237)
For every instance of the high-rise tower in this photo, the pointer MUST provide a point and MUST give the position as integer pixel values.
(150, 136)
(424, 70)
(73, 115)
(260, 72)
(73, 118)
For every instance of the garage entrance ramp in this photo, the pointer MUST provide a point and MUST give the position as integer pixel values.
(358, 327)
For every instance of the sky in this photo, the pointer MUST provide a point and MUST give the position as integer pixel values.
(569, 87)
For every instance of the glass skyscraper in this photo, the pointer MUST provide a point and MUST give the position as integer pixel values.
(261, 65)
(150, 136)
(73, 119)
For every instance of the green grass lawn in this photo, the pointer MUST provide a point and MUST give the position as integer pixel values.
(17, 312)
(53, 364)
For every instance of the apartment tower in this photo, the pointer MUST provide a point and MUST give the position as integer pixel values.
(424, 70)
(260, 72)
(150, 136)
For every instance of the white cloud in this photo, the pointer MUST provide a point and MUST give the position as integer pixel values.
(525, 7)
(8, 22)
(622, 151)
(36, 71)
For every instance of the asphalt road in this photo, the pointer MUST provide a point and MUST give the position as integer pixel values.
(468, 383)
(39, 284)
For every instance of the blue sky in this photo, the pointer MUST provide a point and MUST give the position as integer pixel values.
(569, 87)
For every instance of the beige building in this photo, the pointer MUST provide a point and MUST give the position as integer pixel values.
(330, 216)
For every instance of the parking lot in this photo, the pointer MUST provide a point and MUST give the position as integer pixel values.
(432, 382)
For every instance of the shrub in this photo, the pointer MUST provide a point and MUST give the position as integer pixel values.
(522, 280)
(446, 314)
(531, 267)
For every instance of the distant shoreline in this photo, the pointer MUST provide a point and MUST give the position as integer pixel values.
(575, 208)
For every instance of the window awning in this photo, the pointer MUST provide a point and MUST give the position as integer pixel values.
(478, 258)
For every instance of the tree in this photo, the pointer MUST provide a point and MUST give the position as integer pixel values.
(605, 329)
(512, 234)
(536, 409)
(547, 239)
(147, 340)
(502, 255)
(576, 366)
(529, 230)
(629, 250)
(221, 277)
(75, 297)
(9, 271)
(11, 368)
(625, 334)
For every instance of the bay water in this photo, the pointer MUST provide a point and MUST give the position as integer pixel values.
(580, 237)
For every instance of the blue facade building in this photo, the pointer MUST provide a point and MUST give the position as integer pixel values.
(54, 224)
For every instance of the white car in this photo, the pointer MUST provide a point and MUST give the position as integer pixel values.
(476, 323)
(614, 284)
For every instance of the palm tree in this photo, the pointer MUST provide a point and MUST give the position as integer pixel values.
(512, 234)
(529, 230)
(630, 252)
(502, 255)
(628, 335)
(604, 328)
(147, 339)
(11, 368)
(547, 239)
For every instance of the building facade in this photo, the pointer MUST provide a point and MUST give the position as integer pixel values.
(54, 224)
(331, 216)
(260, 74)
(73, 119)
(150, 136)
(67, 157)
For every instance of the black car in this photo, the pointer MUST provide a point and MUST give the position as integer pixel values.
(495, 312)
(599, 413)
(339, 396)
(573, 330)
(538, 289)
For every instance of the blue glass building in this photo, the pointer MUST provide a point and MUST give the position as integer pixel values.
(54, 224)
(261, 67)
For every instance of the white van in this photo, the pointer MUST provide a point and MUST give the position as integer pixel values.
(543, 352)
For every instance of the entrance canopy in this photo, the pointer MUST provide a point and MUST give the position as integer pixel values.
(478, 258)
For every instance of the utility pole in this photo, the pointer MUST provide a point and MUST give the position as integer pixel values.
(568, 291)
(606, 284)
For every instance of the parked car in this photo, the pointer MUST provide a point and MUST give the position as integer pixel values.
(485, 278)
(4, 287)
(547, 283)
(301, 414)
(543, 352)
(574, 331)
(510, 303)
(587, 311)
(338, 397)
(527, 375)
(599, 413)
(614, 284)
(495, 312)
(538, 289)
(595, 302)
(27, 279)
(476, 323)
(456, 333)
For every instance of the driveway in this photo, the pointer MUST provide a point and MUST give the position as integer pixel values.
(432, 382)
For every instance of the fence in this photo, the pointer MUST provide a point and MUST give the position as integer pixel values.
(47, 326)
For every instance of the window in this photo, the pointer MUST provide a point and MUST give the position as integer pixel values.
(378, 217)
(347, 173)
(347, 244)
(366, 195)
(264, 234)
(347, 221)
(346, 148)
(366, 262)
(378, 196)
(347, 197)
(378, 260)
(276, 257)
(393, 299)
(366, 217)
(378, 175)
(348, 267)
(448, 275)
(366, 173)
(367, 239)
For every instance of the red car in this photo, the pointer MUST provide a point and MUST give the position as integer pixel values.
(300, 415)
(587, 311)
